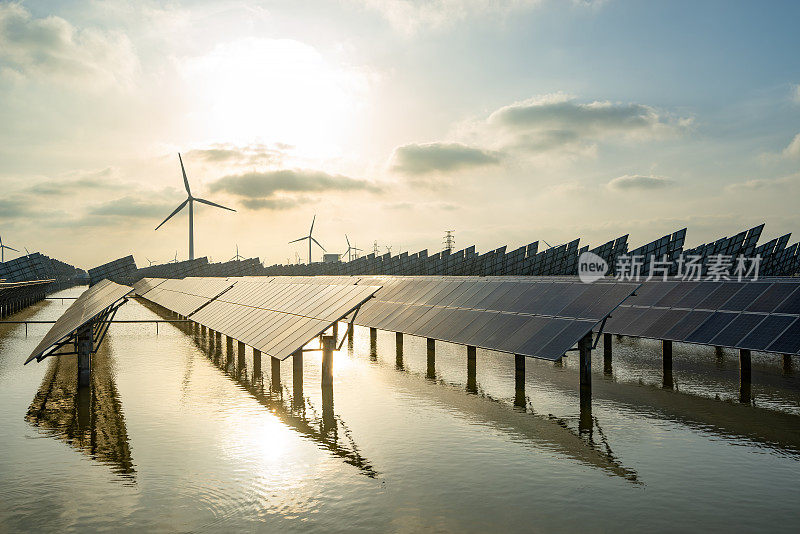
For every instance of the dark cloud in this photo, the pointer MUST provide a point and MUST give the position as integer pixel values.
(131, 208)
(632, 182)
(278, 189)
(417, 159)
(91, 180)
(14, 208)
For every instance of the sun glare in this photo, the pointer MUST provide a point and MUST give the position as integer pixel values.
(275, 90)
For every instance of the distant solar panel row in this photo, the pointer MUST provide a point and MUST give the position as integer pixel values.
(762, 315)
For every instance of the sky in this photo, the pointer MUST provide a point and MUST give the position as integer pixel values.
(393, 121)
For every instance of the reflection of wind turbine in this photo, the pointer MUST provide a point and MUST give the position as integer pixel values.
(237, 257)
(3, 250)
(190, 200)
(310, 239)
(351, 249)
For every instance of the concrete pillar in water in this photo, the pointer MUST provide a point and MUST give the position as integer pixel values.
(399, 350)
(744, 375)
(228, 344)
(336, 330)
(607, 350)
(84, 345)
(373, 344)
(666, 352)
(349, 334)
(787, 363)
(297, 377)
(431, 371)
(585, 371)
(328, 345)
(256, 364)
(240, 361)
(276, 373)
(519, 381)
(472, 358)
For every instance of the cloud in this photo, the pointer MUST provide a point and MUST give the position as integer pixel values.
(248, 155)
(131, 208)
(278, 189)
(14, 208)
(556, 120)
(417, 159)
(639, 182)
(52, 49)
(792, 151)
(82, 181)
(410, 16)
(764, 184)
(796, 93)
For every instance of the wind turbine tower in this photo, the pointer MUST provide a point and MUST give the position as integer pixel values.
(310, 239)
(3, 250)
(190, 200)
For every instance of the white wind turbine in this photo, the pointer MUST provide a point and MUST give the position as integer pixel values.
(190, 200)
(3, 250)
(350, 249)
(310, 239)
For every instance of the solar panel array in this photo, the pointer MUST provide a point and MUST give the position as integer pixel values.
(541, 318)
(120, 270)
(275, 317)
(759, 315)
(37, 266)
(17, 295)
(93, 302)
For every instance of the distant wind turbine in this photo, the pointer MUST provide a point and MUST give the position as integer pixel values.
(237, 257)
(310, 239)
(190, 200)
(350, 249)
(149, 261)
(3, 250)
(176, 258)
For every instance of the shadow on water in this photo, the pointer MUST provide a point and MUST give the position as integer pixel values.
(520, 422)
(89, 419)
(323, 427)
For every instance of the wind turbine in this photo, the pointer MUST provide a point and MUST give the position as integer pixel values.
(350, 248)
(190, 200)
(237, 257)
(3, 250)
(149, 261)
(310, 239)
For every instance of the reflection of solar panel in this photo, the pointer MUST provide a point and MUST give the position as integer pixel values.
(99, 299)
(759, 315)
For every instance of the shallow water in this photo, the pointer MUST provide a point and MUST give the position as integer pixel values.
(174, 435)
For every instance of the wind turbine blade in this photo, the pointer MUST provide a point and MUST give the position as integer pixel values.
(300, 239)
(179, 208)
(348, 240)
(10, 248)
(317, 242)
(204, 201)
(312, 224)
(185, 179)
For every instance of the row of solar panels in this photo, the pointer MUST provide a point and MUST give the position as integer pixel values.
(762, 315)
(539, 318)
(497, 312)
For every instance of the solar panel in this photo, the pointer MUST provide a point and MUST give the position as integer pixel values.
(90, 304)
(767, 332)
(789, 341)
(710, 328)
(731, 335)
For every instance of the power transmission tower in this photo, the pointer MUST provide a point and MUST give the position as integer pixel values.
(375, 249)
(449, 240)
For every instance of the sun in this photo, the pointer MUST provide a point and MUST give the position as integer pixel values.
(278, 90)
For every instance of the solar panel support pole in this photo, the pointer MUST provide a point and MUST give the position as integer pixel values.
(373, 343)
(328, 345)
(519, 381)
(666, 354)
(431, 371)
(585, 371)
(399, 350)
(787, 363)
(297, 377)
(240, 363)
(256, 363)
(276, 372)
(84, 341)
(744, 375)
(472, 384)
(607, 353)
